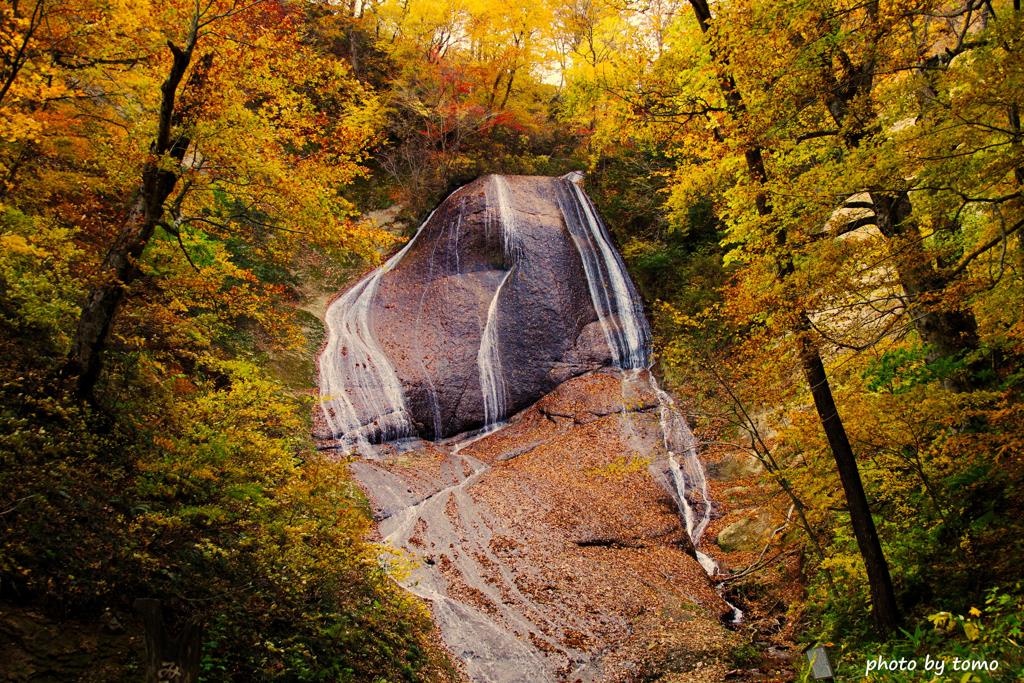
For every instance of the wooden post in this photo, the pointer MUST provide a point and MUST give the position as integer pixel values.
(170, 658)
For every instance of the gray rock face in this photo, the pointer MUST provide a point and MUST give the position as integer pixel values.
(746, 533)
(735, 466)
(430, 310)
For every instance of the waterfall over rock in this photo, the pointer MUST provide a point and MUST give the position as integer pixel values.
(485, 311)
(554, 499)
(616, 302)
(493, 389)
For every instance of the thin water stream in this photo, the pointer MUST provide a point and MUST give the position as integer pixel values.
(620, 311)
(488, 359)
(353, 365)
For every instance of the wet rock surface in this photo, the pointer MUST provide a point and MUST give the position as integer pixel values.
(430, 311)
(552, 549)
(558, 546)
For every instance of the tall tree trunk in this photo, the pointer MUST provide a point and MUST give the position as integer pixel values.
(494, 90)
(171, 656)
(947, 332)
(883, 599)
(120, 267)
(508, 87)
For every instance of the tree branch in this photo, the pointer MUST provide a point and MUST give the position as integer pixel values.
(995, 241)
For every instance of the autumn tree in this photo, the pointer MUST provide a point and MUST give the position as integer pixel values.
(466, 94)
(884, 606)
(864, 187)
(241, 124)
(167, 169)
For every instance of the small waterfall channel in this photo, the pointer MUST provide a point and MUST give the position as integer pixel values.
(615, 298)
(488, 359)
(620, 312)
(359, 369)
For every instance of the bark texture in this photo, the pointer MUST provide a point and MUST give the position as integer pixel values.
(120, 267)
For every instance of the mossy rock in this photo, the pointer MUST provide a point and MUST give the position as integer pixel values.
(735, 466)
(747, 533)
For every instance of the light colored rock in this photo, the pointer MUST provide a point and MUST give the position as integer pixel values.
(747, 533)
(735, 466)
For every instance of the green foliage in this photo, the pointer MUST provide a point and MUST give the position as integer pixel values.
(745, 654)
(991, 632)
(192, 477)
(898, 370)
(213, 501)
(36, 286)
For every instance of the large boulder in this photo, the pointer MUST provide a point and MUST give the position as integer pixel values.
(748, 532)
(735, 465)
(497, 249)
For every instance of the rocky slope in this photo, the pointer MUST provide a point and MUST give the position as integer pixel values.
(552, 550)
(556, 542)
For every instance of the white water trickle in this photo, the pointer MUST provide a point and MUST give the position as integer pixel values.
(353, 365)
(689, 480)
(488, 359)
(620, 312)
(615, 299)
